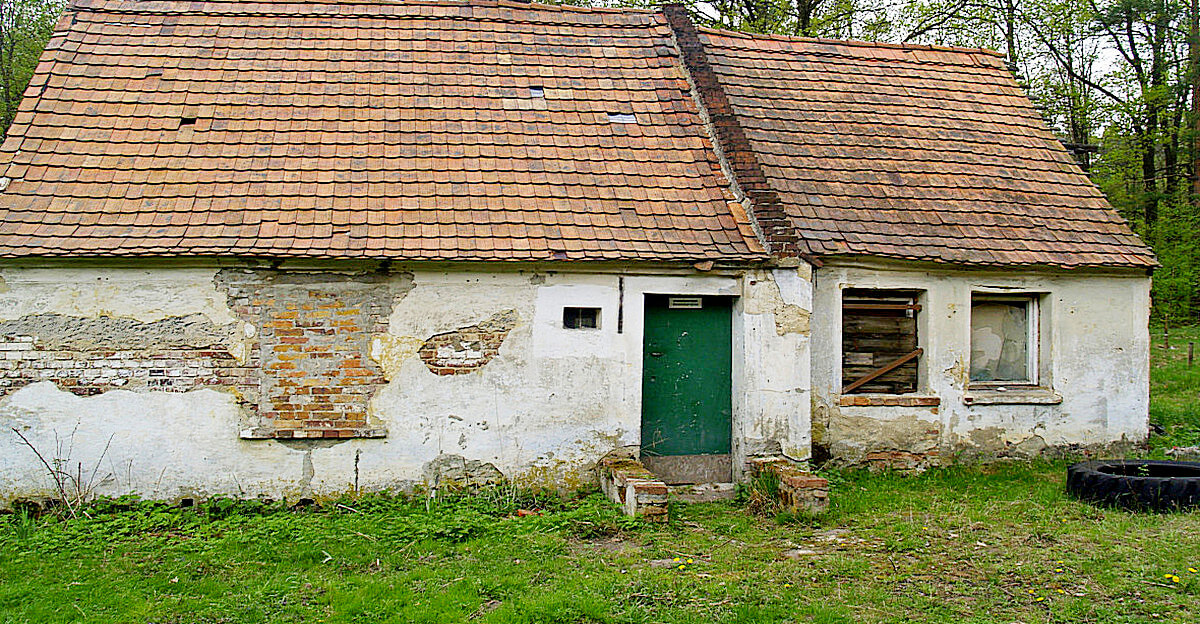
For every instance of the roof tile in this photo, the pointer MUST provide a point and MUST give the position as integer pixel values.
(214, 127)
(910, 152)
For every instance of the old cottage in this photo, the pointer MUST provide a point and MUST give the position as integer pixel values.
(296, 248)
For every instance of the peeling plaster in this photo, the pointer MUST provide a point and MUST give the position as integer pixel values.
(467, 349)
(390, 351)
(60, 332)
(764, 296)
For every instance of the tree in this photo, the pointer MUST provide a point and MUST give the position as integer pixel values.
(25, 26)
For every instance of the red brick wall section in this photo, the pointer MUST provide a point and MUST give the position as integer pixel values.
(312, 348)
(469, 348)
(766, 207)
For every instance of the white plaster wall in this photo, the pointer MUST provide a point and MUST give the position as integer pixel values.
(1095, 354)
(550, 404)
(143, 294)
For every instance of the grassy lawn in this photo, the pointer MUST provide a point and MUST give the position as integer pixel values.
(1175, 388)
(998, 543)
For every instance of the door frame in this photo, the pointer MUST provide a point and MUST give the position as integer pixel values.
(636, 287)
(711, 321)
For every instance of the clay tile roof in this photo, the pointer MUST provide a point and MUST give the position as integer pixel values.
(907, 152)
(363, 128)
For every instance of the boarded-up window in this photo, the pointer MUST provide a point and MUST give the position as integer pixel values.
(1003, 339)
(879, 341)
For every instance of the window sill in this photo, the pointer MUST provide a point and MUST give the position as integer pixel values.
(266, 433)
(888, 400)
(1012, 396)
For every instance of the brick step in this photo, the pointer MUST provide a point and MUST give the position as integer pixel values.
(627, 483)
(799, 489)
(640, 493)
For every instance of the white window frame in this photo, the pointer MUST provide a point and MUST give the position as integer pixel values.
(1032, 337)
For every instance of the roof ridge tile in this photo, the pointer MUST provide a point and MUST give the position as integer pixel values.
(851, 43)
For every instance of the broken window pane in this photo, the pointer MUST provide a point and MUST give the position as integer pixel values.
(1000, 340)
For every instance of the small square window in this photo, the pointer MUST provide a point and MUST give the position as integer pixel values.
(622, 118)
(537, 92)
(1004, 344)
(581, 318)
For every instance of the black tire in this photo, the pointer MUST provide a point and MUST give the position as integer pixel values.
(1138, 484)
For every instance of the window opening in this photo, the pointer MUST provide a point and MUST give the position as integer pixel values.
(879, 341)
(581, 318)
(1003, 340)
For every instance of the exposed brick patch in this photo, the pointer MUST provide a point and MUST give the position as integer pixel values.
(315, 377)
(799, 489)
(469, 348)
(901, 461)
(91, 355)
(889, 401)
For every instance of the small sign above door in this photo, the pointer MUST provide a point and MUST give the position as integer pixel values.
(685, 303)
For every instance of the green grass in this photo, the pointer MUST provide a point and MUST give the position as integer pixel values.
(958, 544)
(999, 543)
(1174, 387)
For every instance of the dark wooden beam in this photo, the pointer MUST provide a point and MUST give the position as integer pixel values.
(880, 372)
(915, 307)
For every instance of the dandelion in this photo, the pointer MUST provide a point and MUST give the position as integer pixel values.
(1174, 579)
(1059, 570)
(676, 560)
(1040, 598)
(1060, 591)
(1167, 576)
(1193, 570)
(690, 561)
(787, 585)
(681, 566)
(1031, 591)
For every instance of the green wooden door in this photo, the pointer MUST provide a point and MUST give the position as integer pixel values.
(687, 360)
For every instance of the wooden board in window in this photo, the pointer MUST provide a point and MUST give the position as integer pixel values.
(878, 328)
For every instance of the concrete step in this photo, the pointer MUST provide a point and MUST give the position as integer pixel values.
(702, 492)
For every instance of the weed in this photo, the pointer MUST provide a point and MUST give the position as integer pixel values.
(760, 494)
(24, 523)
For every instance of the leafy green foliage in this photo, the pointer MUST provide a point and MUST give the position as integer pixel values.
(25, 26)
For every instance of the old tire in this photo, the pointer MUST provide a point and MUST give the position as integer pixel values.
(1139, 484)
